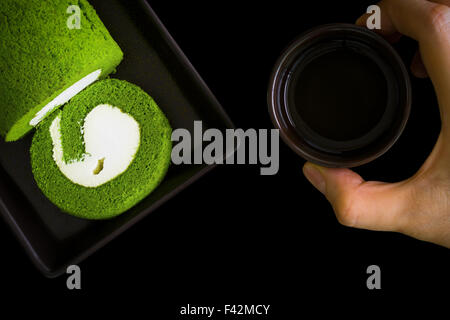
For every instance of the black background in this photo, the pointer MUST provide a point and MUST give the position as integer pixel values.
(238, 237)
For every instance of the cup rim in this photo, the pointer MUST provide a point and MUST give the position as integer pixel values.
(273, 104)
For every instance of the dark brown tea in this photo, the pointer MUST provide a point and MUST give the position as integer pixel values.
(340, 95)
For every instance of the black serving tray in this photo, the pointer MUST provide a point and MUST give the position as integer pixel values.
(53, 239)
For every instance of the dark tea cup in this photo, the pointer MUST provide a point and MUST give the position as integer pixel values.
(340, 95)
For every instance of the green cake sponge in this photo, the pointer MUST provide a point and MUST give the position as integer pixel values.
(45, 59)
(105, 151)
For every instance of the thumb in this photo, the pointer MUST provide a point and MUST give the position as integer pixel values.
(357, 203)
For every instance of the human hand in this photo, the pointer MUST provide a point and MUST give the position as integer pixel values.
(419, 206)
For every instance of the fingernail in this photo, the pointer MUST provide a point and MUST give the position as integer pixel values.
(313, 174)
(361, 20)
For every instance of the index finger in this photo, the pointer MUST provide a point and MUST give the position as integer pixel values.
(428, 23)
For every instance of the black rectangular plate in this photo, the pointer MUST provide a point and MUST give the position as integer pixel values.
(153, 61)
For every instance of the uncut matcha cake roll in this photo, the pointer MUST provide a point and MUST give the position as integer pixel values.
(47, 57)
(105, 151)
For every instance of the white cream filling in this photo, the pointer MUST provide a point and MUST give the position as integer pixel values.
(111, 139)
(65, 96)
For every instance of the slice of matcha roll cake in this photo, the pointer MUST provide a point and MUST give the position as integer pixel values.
(105, 151)
(46, 58)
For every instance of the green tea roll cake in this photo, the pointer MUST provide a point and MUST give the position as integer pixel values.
(105, 151)
(44, 61)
